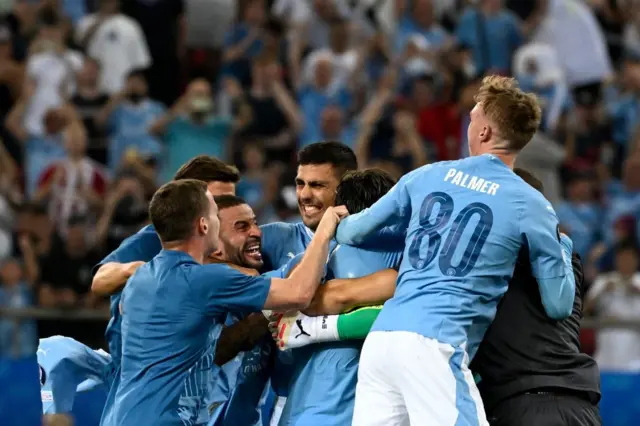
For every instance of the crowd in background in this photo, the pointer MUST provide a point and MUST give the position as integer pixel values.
(102, 100)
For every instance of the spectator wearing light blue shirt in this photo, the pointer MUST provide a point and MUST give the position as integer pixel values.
(580, 215)
(191, 128)
(243, 42)
(493, 35)
(622, 198)
(420, 21)
(127, 117)
(315, 96)
(18, 339)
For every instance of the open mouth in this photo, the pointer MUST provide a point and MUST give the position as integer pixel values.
(253, 251)
(310, 210)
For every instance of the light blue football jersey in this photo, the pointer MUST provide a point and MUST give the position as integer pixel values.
(466, 221)
(323, 383)
(173, 311)
(282, 241)
(68, 367)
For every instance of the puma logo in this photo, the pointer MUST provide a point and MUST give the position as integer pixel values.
(302, 332)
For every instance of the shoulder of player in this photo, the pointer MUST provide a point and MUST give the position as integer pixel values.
(279, 227)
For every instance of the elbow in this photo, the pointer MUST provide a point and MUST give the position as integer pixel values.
(560, 313)
(98, 286)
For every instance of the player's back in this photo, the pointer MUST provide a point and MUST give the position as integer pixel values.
(168, 345)
(322, 388)
(463, 238)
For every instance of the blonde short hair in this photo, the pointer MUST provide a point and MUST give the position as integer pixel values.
(516, 114)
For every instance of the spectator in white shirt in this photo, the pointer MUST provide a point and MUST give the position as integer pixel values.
(616, 295)
(116, 41)
(51, 68)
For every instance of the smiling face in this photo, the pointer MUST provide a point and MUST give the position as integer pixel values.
(240, 237)
(316, 186)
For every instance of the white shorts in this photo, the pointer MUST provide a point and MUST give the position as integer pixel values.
(408, 379)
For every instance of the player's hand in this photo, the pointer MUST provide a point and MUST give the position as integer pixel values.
(289, 332)
(330, 220)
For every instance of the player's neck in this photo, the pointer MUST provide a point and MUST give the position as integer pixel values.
(509, 159)
(192, 248)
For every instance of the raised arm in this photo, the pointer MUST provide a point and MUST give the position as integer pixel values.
(297, 290)
(393, 209)
(550, 257)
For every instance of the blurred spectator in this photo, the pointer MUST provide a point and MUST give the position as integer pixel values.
(580, 214)
(17, 280)
(493, 33)
(323, 90)
(437, 119)
(343, 57)
(259, 182)
(616, 295)
(388, 135)
(162, 22)
(271, 113)
(74, 186)
(9, 198)
(39, 150)
(537, 69)
(310, 26)
(622, 197)
(570, 27)
(125, 209)
(127, 117)
(89, 101)
(203, 41)
(51, 68)
(23, 22)
(420, 19)
(11, 73)
(543, 157)
(191, 128)
(116, 42)
(66, 271)
(244, 41)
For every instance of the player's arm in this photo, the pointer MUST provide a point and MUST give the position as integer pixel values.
(392, 210)
(112, 276)
(340, 295)
(550, 257)
(297, 290)
(241, 336)
(112, 273)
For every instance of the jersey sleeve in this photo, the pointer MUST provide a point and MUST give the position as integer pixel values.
(275, 238)
(550, 258)
(223, 289)
(539, 227)
(392, 210)
(142, 246)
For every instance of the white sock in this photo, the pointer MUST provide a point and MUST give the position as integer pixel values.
(296, 331)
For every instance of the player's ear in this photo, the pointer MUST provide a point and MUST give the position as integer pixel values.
(485, 134)
(203, 226)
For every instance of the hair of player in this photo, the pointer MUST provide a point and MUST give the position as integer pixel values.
(358, 190)
(207, 169)
(176, 206)
(226, 201)
(530, 178)
(515, 114)
(339, 155)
